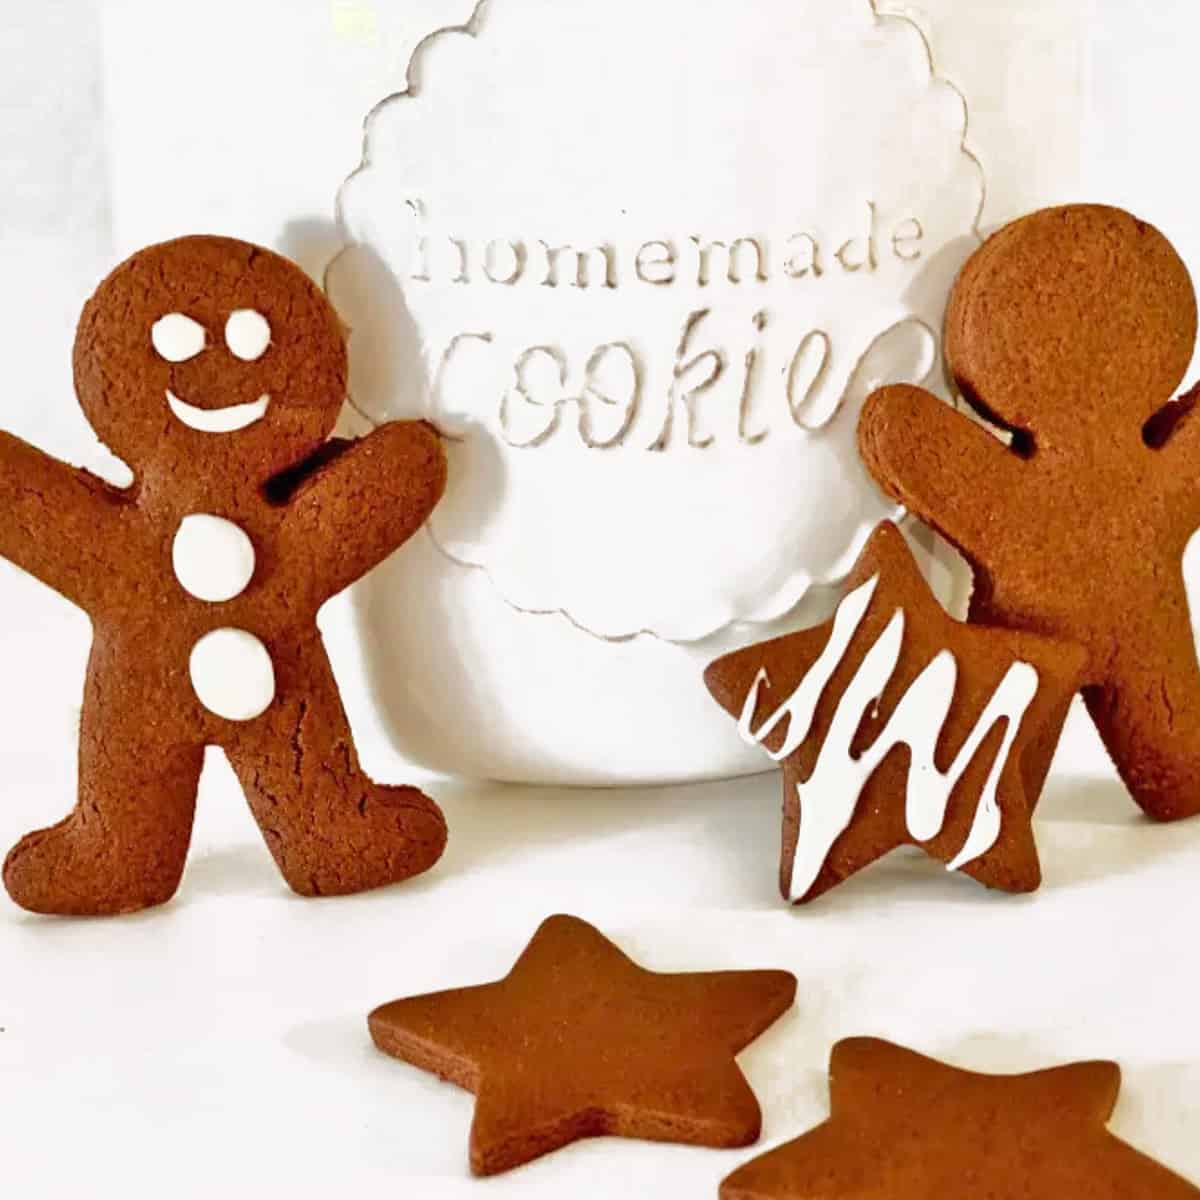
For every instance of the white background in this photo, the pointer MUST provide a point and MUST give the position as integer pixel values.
(218, 1045)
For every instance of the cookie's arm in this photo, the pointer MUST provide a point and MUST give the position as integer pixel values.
(357, 507)
(1174, 432)
(940, 466)
(57, 522)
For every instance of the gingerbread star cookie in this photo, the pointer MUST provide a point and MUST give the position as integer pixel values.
(904, 1127)
(1070, 332)
(578, 1041)
(896, 725)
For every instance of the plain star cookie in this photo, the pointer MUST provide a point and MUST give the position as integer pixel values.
(896, 725)
(904, 1127)
(216, 370)
(578, 1041)
(1071, 330)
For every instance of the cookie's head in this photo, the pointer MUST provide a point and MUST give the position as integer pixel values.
(211, 353)
(1073, 324)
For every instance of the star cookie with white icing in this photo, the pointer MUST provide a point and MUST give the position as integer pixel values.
(896, 725)
(216, 370)
(906, 1127)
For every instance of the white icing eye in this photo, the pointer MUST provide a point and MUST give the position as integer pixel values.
(177, 337)
(247, 334)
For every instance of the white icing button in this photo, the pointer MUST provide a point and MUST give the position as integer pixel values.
(247, 334)
(232, 674)
(213, 558)
(177, 337)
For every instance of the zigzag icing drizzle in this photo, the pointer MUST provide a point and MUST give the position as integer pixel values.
(830, 796)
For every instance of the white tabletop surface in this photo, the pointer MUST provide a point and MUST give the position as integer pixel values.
(218, 1045)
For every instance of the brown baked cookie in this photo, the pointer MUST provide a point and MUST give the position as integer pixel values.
(216, 370)
(1071, 329)
(578, 1041)
(905, 1127)
(897, 725)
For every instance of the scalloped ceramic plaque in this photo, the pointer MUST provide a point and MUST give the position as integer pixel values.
(644, 272)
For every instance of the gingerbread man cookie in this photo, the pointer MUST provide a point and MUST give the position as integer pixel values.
(216, 370)
(1071, 330)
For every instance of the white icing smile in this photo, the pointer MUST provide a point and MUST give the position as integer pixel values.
(218, 420)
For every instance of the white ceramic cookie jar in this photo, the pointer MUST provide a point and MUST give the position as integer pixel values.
(641, 265)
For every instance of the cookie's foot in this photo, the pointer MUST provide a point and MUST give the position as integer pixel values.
(77, 868)
(364, 837)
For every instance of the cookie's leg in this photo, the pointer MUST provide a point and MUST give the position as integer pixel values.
(331, 829)
(1148, 716)
(124, 846)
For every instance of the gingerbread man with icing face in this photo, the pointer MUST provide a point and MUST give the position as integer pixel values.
(1072, 330)
(216, 370)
